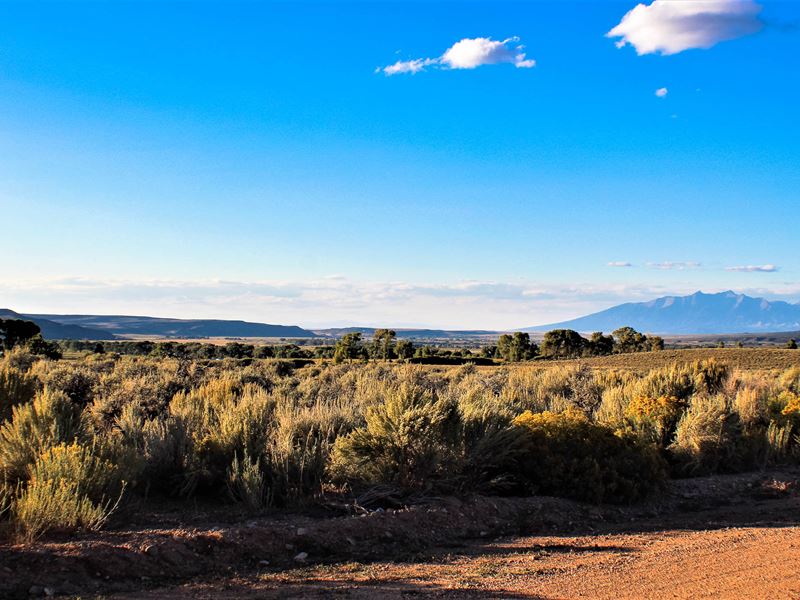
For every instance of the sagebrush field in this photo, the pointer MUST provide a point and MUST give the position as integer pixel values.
(81, 437)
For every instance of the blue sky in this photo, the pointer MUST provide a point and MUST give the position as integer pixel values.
(253, 160)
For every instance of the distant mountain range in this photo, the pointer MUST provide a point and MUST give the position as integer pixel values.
(723, 313)
(53, 330)
(726, 312)
(106, 327)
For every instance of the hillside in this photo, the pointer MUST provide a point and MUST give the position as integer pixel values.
(122, 326)
(53, 330)
(725, 312)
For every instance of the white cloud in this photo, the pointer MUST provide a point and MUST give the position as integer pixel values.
(754, 269)
(619, 263)
(672, 26)
(669, 265)
(662, 92)
(468, 53)
(471, 53)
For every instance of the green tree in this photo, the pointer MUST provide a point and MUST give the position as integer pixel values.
(563, 343)
(656, 343)
(489, 352)
(627, 339)
(17, 331)
(404, 349)
(600, 345)
(516, 347)
(41, 347)
(791, 344)
(349, 347)
(382, 346)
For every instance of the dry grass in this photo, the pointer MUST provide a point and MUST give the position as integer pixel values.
(747, 359)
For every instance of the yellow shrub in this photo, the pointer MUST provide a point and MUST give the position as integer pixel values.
(67, 490)
(792, 406)
(568, 455)
(662, 414)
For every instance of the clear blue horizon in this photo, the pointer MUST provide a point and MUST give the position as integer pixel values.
(256, 161)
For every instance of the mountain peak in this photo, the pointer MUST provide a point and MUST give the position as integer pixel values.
(700, 313)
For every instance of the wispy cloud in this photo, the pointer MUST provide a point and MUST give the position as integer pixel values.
(332, 301)
(408, 66)
(754, 269)
(340, 301)
(672, 26)
(468, 53)
(674, 266)
(619, 264)
(662, 92)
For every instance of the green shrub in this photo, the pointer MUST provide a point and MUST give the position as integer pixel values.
(67, 490)
(708, 439)
(407, 441)
(246, 482)
(710, 376)
(166, 448)
(791, 380)
(212, 425)
(300, 445)
(7, 497)
(779, 441)
(34, 428)
(489, 449)
(77, 382)
(676, 381)
(16, 387)
(567, 455)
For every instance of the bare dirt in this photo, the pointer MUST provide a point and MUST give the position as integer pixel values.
(728, 536)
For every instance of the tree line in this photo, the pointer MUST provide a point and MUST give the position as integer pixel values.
(384, 345)
(566, 343)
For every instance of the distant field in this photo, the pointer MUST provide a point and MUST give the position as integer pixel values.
(740, 358)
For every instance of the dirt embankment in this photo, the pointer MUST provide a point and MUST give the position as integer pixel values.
(146, 558)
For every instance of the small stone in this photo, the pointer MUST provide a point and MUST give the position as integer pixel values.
(301, 557)
(302, 531)
(290, 546)
(263, 563)
(35, 590)
(483, 533)
(49, 592)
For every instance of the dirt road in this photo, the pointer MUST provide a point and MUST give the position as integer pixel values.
(728, 536)
(755, 561)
